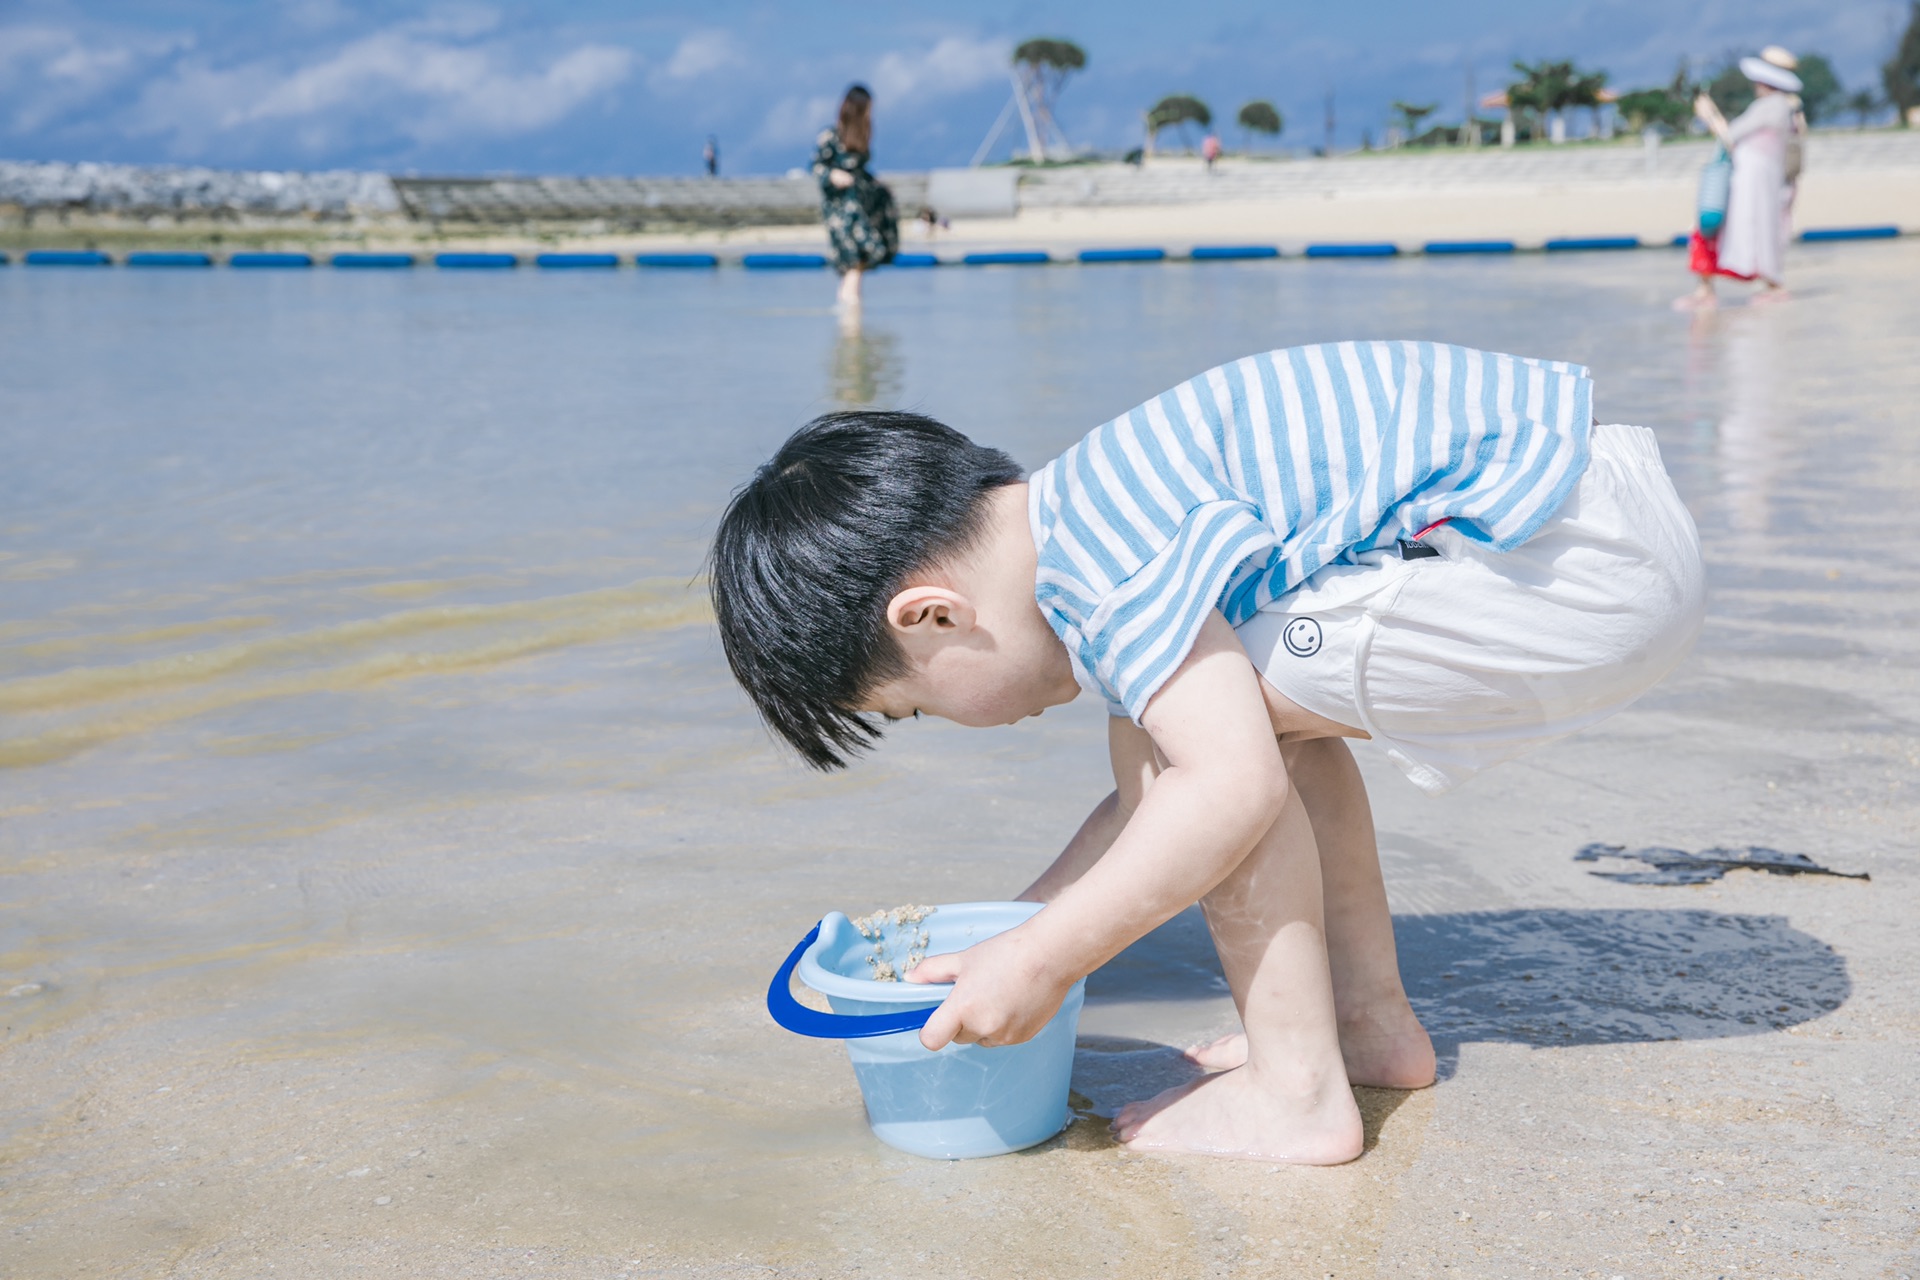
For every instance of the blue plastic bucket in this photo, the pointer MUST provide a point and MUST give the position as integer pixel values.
(965, 1100)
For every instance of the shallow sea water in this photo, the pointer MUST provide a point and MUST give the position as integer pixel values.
(390, 874)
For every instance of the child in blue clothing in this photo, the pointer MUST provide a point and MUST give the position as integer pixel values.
(1423, 545)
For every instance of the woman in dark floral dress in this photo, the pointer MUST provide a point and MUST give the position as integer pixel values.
(861, 221)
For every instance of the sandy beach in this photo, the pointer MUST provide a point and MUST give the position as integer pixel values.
(392, 873)
(1528, 196)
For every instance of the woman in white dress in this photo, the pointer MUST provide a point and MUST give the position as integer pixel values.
(1753, 238)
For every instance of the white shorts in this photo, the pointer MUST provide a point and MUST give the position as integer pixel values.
(1462, 660)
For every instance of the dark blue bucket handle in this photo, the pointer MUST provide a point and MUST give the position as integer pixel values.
(800, 1020)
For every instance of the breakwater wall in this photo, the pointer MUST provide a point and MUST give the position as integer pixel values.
(131, 190)
(50, 193)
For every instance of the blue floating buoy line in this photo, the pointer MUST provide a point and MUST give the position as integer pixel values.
(67, 258)
(676, 260)
(1009, 258)
(475, 261)
(784, 261)
(577, 260)
(800, 261)
(1588, 244)
(1233, 252)
(1123, 255)
(1849, 233)
(372, 261)
(270, 260)
(1445, 247)
(169, 259)
(1379, 250)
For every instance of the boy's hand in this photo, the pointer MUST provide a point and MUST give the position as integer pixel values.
(1004, 992)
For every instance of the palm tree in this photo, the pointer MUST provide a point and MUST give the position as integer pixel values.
(1548, 89)
(1176, 110)
(1411, 116)
(1531, 98)
(1261, 117)
(1587, 89)
(1043, 65)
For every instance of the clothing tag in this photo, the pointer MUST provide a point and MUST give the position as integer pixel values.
(1416, 550)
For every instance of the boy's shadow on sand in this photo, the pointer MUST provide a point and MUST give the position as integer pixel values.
(1542, 978)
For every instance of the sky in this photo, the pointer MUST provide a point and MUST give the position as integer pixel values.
(595, 86)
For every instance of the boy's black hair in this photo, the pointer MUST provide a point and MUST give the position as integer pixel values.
(811, 549)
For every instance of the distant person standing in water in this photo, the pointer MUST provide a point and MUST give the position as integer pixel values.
(1210, 151)
(1753, 239)
(861, 222)
(712, 156)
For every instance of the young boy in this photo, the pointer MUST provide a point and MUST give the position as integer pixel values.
(1419, 544)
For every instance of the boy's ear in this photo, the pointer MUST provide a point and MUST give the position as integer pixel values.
(929, 612)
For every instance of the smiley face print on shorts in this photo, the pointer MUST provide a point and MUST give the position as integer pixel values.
(1302, 637)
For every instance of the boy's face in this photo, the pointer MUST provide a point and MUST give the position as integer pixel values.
(978, 650)
(973, 666)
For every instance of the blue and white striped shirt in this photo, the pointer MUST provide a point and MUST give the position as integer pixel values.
(1232, 489)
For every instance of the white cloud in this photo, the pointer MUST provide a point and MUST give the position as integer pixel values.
(954, 65)
(52, 71)
(426, 82)
(796, 120)
(701, 53)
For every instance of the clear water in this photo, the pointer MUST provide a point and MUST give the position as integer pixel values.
(391, 871)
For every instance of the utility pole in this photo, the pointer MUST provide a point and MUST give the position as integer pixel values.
(1469, 130)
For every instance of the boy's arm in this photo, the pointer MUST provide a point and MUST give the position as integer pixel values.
(1133, 766)
(1222, 786)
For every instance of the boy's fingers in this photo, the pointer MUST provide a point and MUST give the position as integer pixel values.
(940, 1030)
(945, 1024)
(936, 969)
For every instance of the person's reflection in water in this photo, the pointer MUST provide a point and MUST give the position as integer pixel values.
(866, 366)
(1747, 444)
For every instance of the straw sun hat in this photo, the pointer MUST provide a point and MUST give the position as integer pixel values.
(1773, 68)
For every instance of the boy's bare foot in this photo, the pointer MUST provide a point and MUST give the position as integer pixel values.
(1383, 1049)
(1231, 1114)
(1224, 1054)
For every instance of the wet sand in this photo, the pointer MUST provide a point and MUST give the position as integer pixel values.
(392, 875)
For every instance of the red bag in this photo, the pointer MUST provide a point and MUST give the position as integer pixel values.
(1703, 258)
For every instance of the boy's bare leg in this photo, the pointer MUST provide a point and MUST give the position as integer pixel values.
(1290, 1101)
(1382, 1041)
